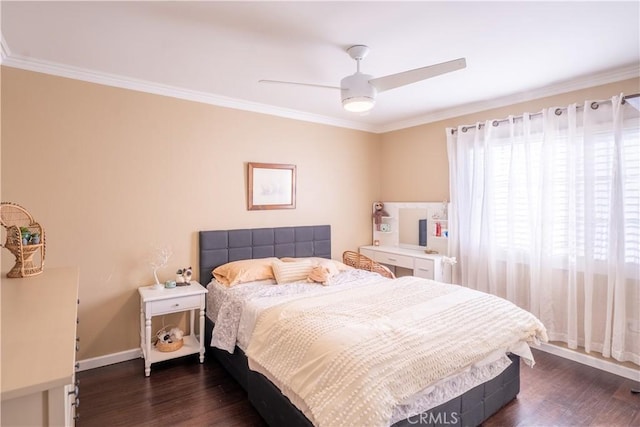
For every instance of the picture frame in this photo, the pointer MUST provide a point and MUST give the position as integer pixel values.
(271, 186)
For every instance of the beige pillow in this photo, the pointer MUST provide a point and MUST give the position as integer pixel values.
(246, 270)
(320, 261)
(287, 272)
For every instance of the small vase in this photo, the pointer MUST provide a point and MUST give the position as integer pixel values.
(35, 240)
(25, 241)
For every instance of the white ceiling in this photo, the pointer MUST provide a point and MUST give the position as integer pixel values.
(217, 51)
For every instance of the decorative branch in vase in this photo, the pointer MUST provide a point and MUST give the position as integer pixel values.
(158, 260)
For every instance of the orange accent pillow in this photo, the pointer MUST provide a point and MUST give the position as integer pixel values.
(246, 270)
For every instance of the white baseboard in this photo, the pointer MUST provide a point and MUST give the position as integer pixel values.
(594, 362)
(585, 359)
(108, 359)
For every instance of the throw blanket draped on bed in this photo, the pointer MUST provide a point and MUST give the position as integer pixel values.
(349, 357)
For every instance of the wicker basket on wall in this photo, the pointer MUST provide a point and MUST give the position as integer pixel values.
(21, 240)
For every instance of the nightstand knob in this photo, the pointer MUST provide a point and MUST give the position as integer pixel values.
(176, 305)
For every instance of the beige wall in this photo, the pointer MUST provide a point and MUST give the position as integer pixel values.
(415, 166)
(112, 172)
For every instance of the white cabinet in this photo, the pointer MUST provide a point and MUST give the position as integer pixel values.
(428, 266)
(39, 317)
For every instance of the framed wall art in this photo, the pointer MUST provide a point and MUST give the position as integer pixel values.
(271, 186)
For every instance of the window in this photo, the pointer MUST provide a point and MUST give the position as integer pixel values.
(556, 188)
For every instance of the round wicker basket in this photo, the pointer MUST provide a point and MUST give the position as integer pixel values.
(166, 347)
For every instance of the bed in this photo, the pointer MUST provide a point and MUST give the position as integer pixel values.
(219, 247)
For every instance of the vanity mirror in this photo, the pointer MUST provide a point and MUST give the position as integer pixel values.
(412, 223)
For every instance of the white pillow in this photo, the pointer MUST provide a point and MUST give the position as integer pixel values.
(287, 272)
(320, 261)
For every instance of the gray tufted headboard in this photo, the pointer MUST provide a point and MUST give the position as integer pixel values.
(218, 247)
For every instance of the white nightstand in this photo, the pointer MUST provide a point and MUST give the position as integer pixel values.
(164, 301)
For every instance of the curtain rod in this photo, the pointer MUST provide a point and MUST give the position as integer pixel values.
(558, 111)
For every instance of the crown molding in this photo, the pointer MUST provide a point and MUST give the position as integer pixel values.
(76, 73)
(610, 76)
(4, 50)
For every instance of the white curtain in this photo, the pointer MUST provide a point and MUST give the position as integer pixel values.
(545, 212)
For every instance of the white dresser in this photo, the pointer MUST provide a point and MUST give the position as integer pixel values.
(39, 317)
(428, 266)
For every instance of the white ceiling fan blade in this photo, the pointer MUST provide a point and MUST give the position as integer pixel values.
(393, 81)
(299, 84)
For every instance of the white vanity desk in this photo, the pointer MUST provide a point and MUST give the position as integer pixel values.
(428, 266)
(402, 240)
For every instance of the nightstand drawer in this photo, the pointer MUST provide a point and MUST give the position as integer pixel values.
(393, 259)
(424, 268)
(174, 304)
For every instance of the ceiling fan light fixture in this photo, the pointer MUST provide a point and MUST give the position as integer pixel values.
(358, 95)
(358, 104)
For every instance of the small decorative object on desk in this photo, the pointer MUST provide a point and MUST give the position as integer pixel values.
(169, 339)
(187, 273)
(183, 276)
(158, 259)
(179, 277)
(438, 230)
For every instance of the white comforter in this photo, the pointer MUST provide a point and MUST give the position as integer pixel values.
(350, 357)
(244, 316)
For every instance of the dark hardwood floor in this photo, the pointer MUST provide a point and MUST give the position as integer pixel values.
(556, 392)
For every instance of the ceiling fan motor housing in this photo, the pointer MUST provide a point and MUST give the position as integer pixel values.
(358, 94)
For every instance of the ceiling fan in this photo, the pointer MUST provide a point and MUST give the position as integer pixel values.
(359, 90)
